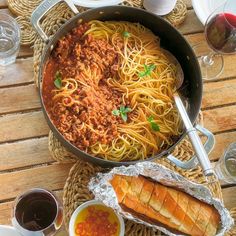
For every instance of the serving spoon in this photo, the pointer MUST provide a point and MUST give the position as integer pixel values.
(190, 129)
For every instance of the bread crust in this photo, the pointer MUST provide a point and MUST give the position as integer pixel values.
(165, 206)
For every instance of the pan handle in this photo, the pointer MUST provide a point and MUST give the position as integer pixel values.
(40, 12)
(193, 162)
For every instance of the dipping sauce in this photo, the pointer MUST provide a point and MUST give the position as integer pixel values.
(97, 220)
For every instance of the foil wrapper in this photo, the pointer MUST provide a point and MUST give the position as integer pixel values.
(103, 191)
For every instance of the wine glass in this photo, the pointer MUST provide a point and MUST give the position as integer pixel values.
(225, 168)
(220, 33)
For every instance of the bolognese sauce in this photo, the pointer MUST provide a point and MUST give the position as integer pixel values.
(81, 108)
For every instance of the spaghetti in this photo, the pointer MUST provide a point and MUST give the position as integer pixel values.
(114, 92)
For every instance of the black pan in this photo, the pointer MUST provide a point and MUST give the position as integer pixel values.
(171, 40)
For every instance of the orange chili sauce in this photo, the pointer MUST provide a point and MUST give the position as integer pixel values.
(97, 220)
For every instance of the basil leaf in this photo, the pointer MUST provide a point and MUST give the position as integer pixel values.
(58, 83)
(142, 74)
(150, 119)
(155, 126)
(122, 112)
(152, 67)
(147, 70)
(122, 109)
(58, 80)
(116, 112)
(126, 34)
(127, 109)
(124, 116)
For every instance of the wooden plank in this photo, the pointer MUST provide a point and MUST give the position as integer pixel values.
(191, 24)
(25, 51)
(18, 73)
(22, 126)
(214, 92)
(3, 4)
(19, 99)
(229, 196)
(6, 209)
(222, 142)
(29, 152)
(6, 213)
(220, 119)
(51, 177)
(195, 38)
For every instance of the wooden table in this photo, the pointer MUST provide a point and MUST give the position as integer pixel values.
(25, 161)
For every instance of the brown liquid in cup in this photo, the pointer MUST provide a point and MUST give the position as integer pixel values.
(36, 211)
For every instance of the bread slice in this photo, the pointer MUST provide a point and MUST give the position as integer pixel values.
(189, 222)
(181, 209)
(120, 186)
(146, 192)
(158, 197)
(212, 225)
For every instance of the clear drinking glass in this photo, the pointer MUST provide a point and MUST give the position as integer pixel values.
(9, 39)
(220, 33)
(37, 212)
(226, 167)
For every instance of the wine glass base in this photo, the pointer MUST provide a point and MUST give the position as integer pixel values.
(211, 63)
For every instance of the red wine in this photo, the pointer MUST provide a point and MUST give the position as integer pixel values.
(221, 33)
(36, 211)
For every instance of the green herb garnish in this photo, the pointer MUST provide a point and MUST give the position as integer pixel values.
(122, 112)
(155, 127)
(126, 34)
(147, 70)
(57, 81)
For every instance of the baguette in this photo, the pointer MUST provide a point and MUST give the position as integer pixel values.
(165, 206)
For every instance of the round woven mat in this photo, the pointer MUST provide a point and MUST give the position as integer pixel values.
(28, 34)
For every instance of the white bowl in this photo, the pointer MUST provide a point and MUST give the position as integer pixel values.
(90, 203)
(159, 7)
(6, 230)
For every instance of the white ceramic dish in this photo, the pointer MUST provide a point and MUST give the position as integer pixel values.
(96, 3)
(204, 8)
(159, 7)
(6, 230)
(90, 203)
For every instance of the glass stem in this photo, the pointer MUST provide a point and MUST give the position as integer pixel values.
(208, 59)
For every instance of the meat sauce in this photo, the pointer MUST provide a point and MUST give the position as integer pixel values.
(89, 119)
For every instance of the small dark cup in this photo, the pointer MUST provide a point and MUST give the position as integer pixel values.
(37, 212)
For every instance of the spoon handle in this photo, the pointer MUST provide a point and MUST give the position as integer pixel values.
(194, 138)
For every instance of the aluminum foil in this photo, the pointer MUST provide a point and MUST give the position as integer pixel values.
(104, 192)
